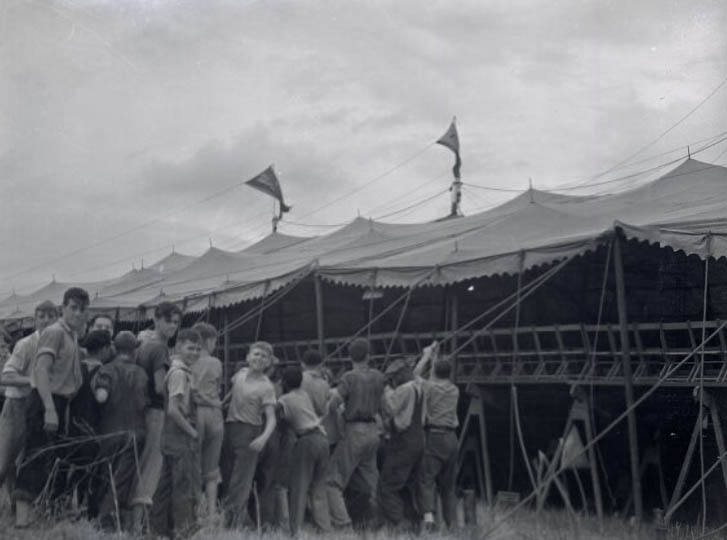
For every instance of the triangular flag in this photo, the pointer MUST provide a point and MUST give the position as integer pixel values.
(268, 183)
(450, 139)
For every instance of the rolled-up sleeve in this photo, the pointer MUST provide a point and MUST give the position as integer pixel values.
(51, 341)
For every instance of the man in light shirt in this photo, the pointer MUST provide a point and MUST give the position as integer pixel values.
(16, 374)
(56, 378)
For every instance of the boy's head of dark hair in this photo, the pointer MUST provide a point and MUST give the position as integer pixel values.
(100, 316)
(78, 294)
(126, 342)
(188, 334)
(46, 307)
(96, 340)
(166, 310)
(292, 377)
(442, 368)
(312, 358)
(358, 350)
(205, 330)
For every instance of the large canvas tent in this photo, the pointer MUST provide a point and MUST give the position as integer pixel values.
(685, 209)
(406, 284)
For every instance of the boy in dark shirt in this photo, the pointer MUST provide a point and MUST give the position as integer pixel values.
(310, 453)
(361, 391)
(85, 419)
(153, 358)
(175, 500)
(121, 388)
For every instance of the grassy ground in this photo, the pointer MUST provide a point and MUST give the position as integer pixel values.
(552, 525)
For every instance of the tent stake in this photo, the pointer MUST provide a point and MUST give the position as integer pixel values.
(628, 381)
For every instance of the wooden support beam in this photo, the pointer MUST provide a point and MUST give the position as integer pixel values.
(588, 421)
(319, 314)
(628, 378)
(717, 425)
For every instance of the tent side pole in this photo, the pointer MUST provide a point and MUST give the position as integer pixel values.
(628, 380)
(319, 314)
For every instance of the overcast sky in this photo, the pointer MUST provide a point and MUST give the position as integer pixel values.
(119, 118)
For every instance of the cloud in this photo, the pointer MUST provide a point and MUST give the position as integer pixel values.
(116, 113)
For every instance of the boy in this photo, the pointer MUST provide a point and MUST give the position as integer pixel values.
(121, 387)
(174, 511)
(85, 417)
(252, 398)
(361, 391)
(439, 464)
(310, 453)
(404, 401)
(153, 358)
(16, 373)
(207, 373)
(56, 377)
(101, 321)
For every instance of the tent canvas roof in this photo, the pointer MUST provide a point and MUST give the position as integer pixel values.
(685, 209)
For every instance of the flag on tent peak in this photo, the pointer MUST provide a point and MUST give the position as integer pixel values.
(450, 139)
(268, 183)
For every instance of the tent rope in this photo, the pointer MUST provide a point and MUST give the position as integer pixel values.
(269, 300)
(497, 524)
(398, 326)
(388, 308)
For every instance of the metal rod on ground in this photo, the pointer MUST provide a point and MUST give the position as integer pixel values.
(628, 380)
(470, 508)
(116, 498)
(319, 313)
(257, 508)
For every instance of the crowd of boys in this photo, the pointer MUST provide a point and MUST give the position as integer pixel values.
(141, 433)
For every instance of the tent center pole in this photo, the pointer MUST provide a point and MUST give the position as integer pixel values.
(628, 381)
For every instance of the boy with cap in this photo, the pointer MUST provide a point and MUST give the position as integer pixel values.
(121, 388)
(85, 417)
(404, 401)
(207, 375)
(153, 358)
(56, 377)
(252, 404)
(439, 464)
(175, 500)
(361, 391)
(310, 453)
(16, 375)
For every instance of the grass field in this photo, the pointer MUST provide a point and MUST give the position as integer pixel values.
(552, 525)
